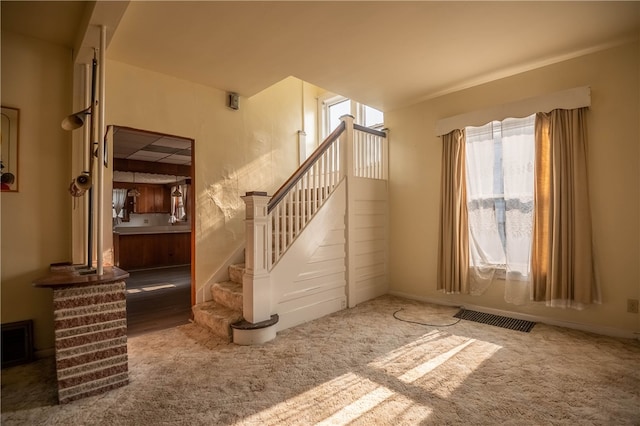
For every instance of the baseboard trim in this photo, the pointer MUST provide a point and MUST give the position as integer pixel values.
(602, 330)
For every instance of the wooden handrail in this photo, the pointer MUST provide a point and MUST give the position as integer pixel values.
(304, 167)
(369, 130)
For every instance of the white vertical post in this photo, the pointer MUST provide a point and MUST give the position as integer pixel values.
(347, 147)
(377, 160)
(347, 160)
(256, 304)
(296, 208)
(277, 232)
(385, 155)
(288, 216)
(100, 166)
(310, 185)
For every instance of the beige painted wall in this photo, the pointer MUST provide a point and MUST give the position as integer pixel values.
(36, 221)
(255, 148)
(614, 164)
(252, 149)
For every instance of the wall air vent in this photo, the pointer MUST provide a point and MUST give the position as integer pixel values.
(17, 343)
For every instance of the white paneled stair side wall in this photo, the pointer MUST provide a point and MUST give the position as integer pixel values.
(368, 239)
(310, 281)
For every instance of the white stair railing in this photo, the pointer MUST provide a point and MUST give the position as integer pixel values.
(369, 153)
(296, 202)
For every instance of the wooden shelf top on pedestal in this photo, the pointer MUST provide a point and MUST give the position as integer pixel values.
(76, 275)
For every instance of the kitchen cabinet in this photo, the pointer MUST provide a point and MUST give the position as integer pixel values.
(140, 251)
(153, 199)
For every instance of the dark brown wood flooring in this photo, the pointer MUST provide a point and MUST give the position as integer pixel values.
(158, 299)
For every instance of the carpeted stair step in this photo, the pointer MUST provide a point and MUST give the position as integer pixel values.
(236, 273)
(228, 294)
(216, 318)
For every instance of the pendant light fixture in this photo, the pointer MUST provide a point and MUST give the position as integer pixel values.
(134, 191)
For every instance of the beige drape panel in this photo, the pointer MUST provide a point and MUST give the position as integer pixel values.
(541, 237)
(562, 257)
(453, 248)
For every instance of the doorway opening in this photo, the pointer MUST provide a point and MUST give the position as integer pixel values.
(153, 224)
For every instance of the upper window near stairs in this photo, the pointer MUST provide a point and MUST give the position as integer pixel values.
(333, 107)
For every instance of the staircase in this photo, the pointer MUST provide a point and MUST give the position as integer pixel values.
(339, 260)
(226, 307)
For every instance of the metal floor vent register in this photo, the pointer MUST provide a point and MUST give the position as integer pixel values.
(497, 320)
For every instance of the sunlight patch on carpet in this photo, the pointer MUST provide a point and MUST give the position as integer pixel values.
(156, 287)
(359, 407)
(430, 365)
(402, 351)
(343, 400)
(437, 362)
(450, 375)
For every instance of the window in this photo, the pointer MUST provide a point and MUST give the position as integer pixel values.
(500, 175)
(491, 176)
(372, 117)
(333, 111)
(334, 107)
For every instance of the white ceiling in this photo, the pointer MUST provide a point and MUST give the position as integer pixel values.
(384, 54)
(57, 22)
(139, 145)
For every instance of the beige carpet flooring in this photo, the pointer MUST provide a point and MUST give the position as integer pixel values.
(359, 367)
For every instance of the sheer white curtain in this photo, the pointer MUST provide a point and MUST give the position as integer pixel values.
(119, 197)
(181, 203)
(178, 204)
(500, 165)
(486, 253)
(174, 202)
(518, 165)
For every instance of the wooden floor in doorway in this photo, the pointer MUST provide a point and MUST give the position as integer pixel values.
(158, 299)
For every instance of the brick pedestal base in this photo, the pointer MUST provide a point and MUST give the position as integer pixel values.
(90, 320)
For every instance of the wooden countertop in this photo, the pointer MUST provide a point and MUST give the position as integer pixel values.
(142, 230)
(70, 276)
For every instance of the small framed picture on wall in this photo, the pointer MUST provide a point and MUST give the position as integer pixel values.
(9, 138)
